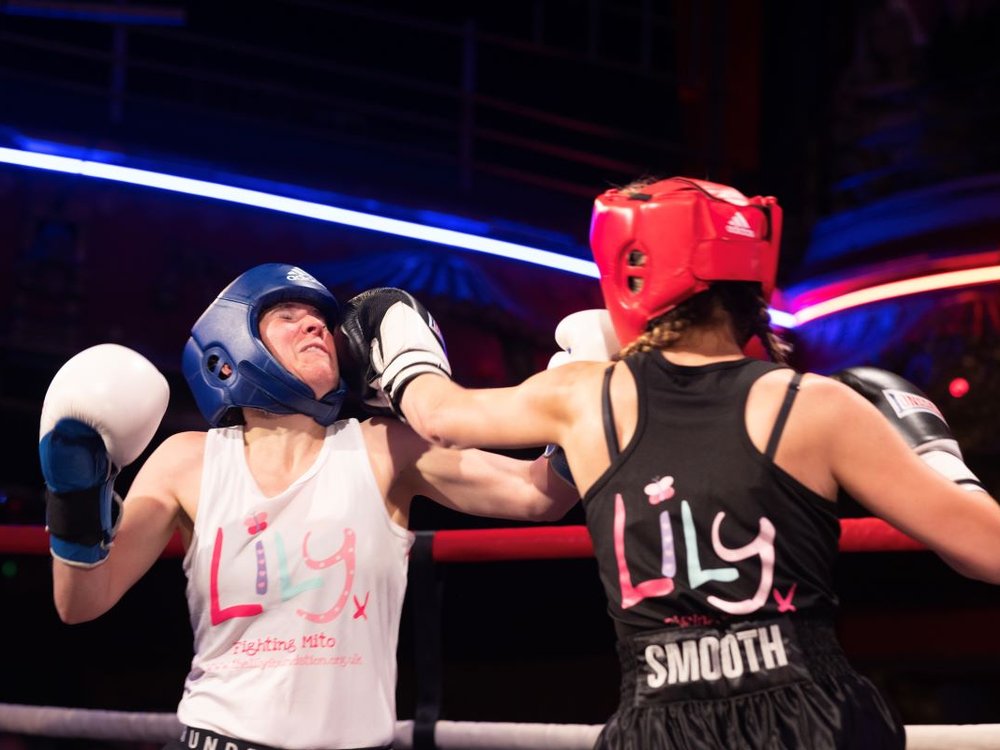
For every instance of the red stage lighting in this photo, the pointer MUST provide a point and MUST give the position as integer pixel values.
(958, 387)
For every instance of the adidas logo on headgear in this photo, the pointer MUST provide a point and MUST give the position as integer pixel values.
(738, 224)
(297, 274)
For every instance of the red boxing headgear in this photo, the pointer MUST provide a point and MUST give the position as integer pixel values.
(664, 242)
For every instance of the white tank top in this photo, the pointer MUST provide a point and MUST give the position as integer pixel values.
(295, 600)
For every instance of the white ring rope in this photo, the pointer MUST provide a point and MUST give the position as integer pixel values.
(49, 721)
(82, 723)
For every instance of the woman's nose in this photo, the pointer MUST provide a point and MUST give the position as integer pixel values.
(313, 324)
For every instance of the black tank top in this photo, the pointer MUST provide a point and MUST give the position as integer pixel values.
(691, 524)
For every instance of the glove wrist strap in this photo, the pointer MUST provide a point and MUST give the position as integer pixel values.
(75, 516)
(949, 465)
(85, 517)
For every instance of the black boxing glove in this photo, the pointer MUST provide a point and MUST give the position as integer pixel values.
(916, 418)
(391, 339)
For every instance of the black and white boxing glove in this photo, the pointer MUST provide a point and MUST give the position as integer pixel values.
(916, 418)
(391, 339)
(101, 410)
(583, 336)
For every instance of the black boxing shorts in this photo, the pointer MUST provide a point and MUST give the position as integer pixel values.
(778, 683)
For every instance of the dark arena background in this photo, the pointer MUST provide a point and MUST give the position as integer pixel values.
(874, 123)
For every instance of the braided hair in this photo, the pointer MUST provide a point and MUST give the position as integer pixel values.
(743, 302)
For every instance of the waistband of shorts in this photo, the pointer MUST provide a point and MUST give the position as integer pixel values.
(727, 659)
(195, 738)
(816, 635)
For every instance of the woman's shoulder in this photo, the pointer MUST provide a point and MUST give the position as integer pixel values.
(173, 471)
(181, 448)
(829, 392)
(821, 397)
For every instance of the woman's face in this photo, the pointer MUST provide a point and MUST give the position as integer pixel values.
(297, 335)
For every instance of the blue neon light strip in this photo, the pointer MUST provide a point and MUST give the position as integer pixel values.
(359, 219)
(97, 12)
(323, 212)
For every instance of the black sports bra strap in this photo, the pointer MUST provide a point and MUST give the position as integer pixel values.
(779, 423)
(610, 435)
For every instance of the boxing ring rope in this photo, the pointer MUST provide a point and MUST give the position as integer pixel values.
(448, 735)
(476, 545)
(528, 543)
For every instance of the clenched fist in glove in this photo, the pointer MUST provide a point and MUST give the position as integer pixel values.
(101, 410)
(585, 336)
(391, 339)
(916, 418)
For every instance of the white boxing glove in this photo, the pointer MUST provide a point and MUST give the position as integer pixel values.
(583, 336)
(101, 410)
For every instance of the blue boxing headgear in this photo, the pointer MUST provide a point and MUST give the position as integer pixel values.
(226, 363)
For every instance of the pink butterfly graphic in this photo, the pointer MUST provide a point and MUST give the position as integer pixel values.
(256, 523)
(659, 490)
